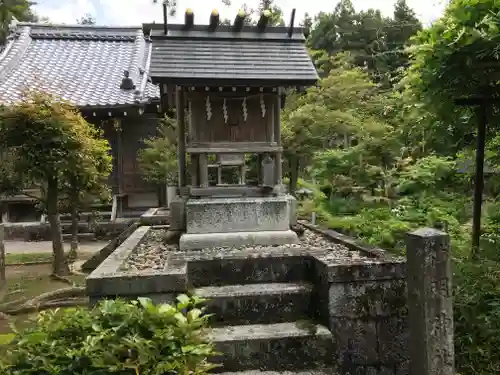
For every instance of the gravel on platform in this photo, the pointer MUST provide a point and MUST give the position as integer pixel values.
(309, 240)
(152, 253)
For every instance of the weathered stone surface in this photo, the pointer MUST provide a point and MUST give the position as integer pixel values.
(293, 209)
(364, 269)
(283, 346)
(108, 281)
(430, 303)
(96, 259)
(356, 342)
(248, 270)
(178, 214)
(257, 303)
(155, 216)
(140, 283)
(367, 299)
(380, 370)
(246, 214)
(403, 368)
(191, 241)
(392, 335)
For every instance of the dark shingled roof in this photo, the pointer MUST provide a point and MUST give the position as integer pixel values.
(198, 56)
(81, 64)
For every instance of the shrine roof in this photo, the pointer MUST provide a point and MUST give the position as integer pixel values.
(81, 64)
(223, 56)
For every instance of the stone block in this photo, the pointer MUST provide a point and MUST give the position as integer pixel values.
(259, 267)
(246, 214)
(197, 241)
(366, 270)
(356, 342)
(393, 339)
(265, 303)
(292, 202)
(271, 347)
(403, 368)
(367, 299)
(178, 214)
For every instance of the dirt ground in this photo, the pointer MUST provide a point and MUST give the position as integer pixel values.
(24, 281)
(19, 247)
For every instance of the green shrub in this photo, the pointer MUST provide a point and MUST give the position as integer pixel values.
(477, 316)
(116, 337)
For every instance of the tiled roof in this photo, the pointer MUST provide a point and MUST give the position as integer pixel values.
(82, 64)
(200, 56)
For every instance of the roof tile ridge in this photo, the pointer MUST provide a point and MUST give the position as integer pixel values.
(145, 77)
(14, 51)
(135, 67)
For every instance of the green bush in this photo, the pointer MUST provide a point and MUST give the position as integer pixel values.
(477, 316)
(116, 337)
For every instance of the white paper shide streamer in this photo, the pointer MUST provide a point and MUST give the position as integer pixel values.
(208, 107)
(224, 111)
(244, 108)
(262, 105)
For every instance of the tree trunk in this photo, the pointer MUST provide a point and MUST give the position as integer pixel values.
(73, 252)
(3, 280)
(294, 173)
(59, 265)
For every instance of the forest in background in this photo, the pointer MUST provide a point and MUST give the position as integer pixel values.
(384, 148)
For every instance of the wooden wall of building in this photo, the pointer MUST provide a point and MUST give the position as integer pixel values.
(256, 128)
(125, 142)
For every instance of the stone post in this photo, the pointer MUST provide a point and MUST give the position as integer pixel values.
(430, 304)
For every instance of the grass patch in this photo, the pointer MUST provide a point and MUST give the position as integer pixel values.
(28, 287)
(28, 258)
(20, 258)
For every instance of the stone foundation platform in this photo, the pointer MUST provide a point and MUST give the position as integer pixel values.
(197, 241)
(245, 214)
(281, 308)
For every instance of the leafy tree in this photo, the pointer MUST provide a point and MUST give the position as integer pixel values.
(455, 58)
(87, 19)
(376, 42)
(47, 144)
(18, 9)
(86, 183)
(158, 159)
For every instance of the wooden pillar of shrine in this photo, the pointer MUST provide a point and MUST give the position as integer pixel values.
(277, 138)
(181, 136)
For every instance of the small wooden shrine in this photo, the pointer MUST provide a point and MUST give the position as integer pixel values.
(228, 84)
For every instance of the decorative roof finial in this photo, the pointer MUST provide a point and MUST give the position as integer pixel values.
(188, 19)
(13, 23)
(214, 20)
(239, 21)
(127, 82)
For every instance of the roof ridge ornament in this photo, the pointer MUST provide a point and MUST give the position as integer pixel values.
(239, 21)
(127, 82)
(13, 24)
(214, 20)
(188, 19)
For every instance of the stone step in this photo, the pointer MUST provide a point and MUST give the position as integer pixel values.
(257, 303)
(277, 266)
(272, 347)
